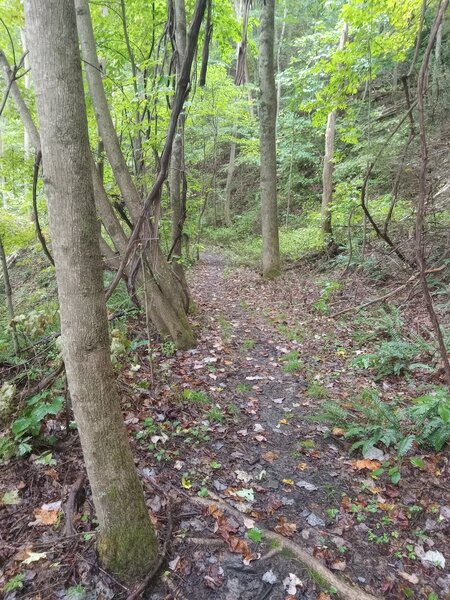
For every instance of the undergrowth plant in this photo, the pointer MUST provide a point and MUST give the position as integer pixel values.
(18, 439)
(397, 357)
(370, 421)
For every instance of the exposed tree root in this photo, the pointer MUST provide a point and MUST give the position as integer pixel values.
(344, 590)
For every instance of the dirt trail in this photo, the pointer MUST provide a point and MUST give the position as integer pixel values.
(275, 450)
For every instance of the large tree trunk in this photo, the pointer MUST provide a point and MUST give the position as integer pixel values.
(168, 313)
(126, 542)
(328, 165)
(268, 118)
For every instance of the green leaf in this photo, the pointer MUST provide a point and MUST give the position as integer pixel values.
(405, 445)
(444, 412)
(202, 492)
(417, 461)
(255, 534)
(10, 498)
(247, 494)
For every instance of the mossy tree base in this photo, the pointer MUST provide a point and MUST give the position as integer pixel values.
(128, 553)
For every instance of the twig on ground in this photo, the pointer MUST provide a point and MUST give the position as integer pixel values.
(385, 296)
(71, 504)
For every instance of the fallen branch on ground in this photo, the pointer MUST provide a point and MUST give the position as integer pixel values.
(386, 296)
(71, 504)
(344, 590)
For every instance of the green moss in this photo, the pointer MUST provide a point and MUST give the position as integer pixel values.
(127, 551)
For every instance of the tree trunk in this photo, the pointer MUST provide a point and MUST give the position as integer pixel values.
(9, 301)
(168, 313)
(26, 83)
(177, 171)
(268, 118)
(328, 165)
(126, 544)
(229, 183)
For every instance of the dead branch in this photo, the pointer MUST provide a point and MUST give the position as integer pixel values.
(71, 504)
(386, 296)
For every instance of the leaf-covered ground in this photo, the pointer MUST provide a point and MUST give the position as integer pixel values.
(235, 417)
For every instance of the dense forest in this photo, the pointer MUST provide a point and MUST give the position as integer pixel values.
(224, 299)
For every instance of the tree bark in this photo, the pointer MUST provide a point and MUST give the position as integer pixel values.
(328, 165)
(424, 188)
(127, 544)
(166, 307)
(268, 117)
(229, 183)
(177, 170)
(9, 300)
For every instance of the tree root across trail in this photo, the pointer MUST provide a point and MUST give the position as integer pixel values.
(344, 590)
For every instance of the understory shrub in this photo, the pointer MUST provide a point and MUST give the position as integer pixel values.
(370, 421)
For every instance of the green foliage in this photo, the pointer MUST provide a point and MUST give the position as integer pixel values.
(395, 357)
(292, 362)
(370, 421)
(18, 440)
(196, 397)
(15, 583)
(328, 291)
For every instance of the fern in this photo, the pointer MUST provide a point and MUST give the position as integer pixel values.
(370, 421)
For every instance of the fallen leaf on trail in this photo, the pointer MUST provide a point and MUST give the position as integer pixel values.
(173, 564)
(284, 528)
(186, 483)
(386, 507)
(270, 456)
(274, 506)
(257, 428)
(411, 578)
(434, 557)
(47, 514)
(283, 422)
(27, 556)
(269, 577)
(323, 596)
(338, 565)
(10, 498)
(260, 438)
(288, 481)
(291, 583)
(243, 476)
(277, 400)
(247, 494)
(362, 464)
(302, 466)
(338, 431)
(310, 487)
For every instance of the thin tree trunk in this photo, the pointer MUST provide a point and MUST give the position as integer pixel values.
(26, 83)
(424, 189)
(268, 118)
(168, 313)
(280, 45)
(177, 171)
(126, 541)
(9, 300)
(103, 117)
(328, 164)
(230, 180)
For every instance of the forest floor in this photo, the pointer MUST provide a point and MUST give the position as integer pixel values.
(236, 417)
